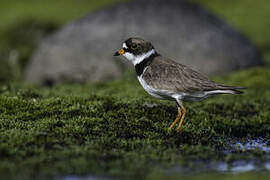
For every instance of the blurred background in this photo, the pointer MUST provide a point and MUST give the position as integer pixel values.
(47, 42)
(24, 24)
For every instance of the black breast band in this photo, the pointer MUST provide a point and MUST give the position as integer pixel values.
(146, 62)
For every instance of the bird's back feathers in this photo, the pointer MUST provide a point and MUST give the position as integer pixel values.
(168, 75)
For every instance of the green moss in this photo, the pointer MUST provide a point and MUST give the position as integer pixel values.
(102, 128)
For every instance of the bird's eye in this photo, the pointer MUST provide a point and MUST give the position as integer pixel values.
(134, 46)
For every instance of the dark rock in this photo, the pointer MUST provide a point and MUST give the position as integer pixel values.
(82, 51)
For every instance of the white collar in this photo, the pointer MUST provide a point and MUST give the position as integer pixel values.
(137, 59)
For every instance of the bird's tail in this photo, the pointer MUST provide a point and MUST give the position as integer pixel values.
(230, 89)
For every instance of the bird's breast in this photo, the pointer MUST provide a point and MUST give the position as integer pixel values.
(161, 94)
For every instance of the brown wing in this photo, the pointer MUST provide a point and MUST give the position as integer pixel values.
(168, 75)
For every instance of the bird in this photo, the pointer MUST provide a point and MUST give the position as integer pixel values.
(166, 79)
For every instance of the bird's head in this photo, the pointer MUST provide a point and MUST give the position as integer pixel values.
(136, 50)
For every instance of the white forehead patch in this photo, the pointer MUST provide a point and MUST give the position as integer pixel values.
(124, 45)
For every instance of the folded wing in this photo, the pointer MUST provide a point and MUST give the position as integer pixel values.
(168, 75)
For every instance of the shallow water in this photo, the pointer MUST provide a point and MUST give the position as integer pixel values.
(240, 166)
(203, 167)
(254, 144)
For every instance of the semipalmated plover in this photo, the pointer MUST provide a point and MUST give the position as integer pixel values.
(164, 78)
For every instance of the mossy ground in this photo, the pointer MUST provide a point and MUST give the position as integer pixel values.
(116, 129)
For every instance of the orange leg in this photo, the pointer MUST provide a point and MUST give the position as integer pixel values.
(182, 119)
(177, 118)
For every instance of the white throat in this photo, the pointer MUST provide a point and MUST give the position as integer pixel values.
(139, 58)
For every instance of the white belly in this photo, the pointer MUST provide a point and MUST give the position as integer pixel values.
(161, 94)
(165, 94)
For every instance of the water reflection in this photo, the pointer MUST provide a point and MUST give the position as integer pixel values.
(239, 166)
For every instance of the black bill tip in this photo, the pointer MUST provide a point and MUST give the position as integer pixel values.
(116, 54)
